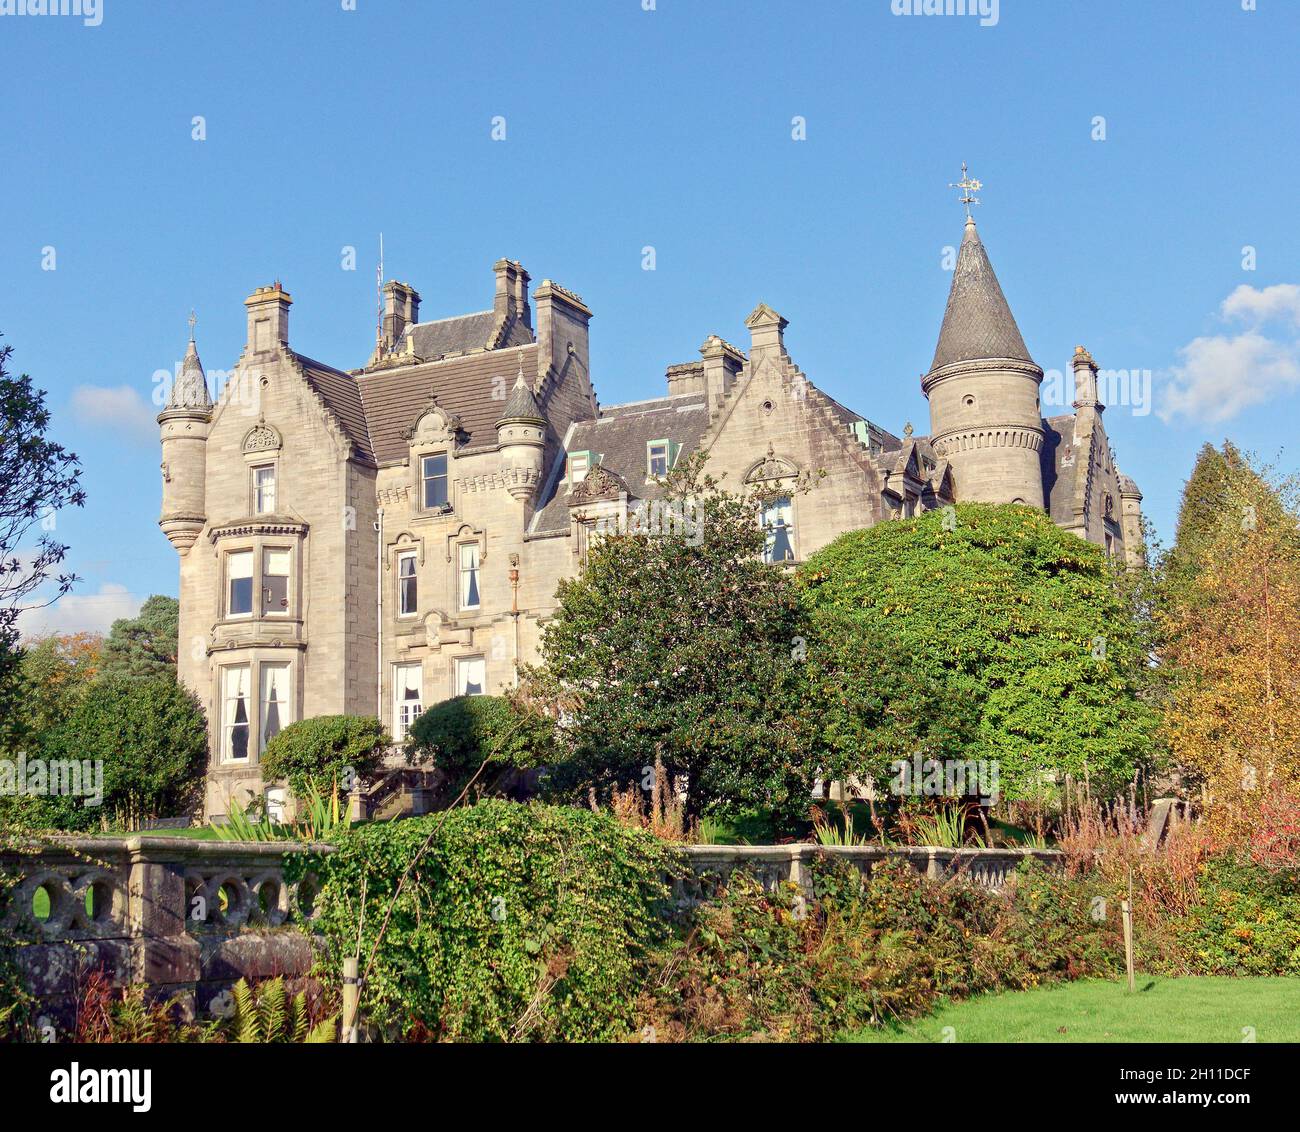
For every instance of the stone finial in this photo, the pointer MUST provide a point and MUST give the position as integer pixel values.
(766, 329)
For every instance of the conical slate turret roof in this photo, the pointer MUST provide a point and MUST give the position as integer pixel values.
(522, 405)
(191, 388)
(977, 323)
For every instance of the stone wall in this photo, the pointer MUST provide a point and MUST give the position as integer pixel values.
(188, 919)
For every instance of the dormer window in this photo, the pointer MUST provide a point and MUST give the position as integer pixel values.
(433, 480)
(579, 464)
(264, 489)
(660, 457)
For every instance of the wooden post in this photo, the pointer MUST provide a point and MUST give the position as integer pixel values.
(351, 997)
(1127, 908)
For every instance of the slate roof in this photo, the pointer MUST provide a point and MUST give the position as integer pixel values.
(977, 322)
(461, 334)
(522, 405)
(619, 436)
(340, 393)
(393, 398)
(191, 388)
(1060, 461)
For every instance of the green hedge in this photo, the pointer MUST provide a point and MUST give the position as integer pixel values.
(520, 922)
(458, 734)
(325, 750)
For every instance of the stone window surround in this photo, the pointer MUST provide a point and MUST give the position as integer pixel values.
(436, 432)
(781, 474)
(253, 659)
(259, 546)
(256, 464)
(404, 543)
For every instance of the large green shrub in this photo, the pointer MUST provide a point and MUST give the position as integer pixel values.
(999, 611)
(1247, 921)
(458, 734)
(150, 735)
(515, 922)
(325, 751)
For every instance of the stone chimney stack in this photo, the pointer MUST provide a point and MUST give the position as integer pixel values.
(767, 333)
(1085, 381)
(511, 298)
(722, 365)
(268, 319)
(401, 311)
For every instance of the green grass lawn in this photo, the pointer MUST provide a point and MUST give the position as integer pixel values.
(1161, 1010)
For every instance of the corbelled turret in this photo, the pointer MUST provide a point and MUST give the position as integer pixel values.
(184, 425)
(521, 434)
(983, 388)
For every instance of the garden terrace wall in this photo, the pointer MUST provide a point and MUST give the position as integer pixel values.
(777, 864)
(189, 918)
(185, 918)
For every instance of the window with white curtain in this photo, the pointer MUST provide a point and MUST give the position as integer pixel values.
(275, 582)
(277, 708)
(469, 587)
(471, 676)
(778, 525)
(408, 697)
(235, 718)
(264, 489)
(239, 584)
(407, 585)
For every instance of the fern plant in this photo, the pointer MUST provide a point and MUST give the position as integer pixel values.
(269, 1015)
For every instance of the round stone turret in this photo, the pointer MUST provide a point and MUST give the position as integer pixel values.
(183, 426)
(983, 389)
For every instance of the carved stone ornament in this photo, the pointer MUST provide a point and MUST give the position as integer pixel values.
(261, 438)
(599, 483)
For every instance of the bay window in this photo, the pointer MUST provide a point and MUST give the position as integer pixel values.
(277, 710)
(235, 713)
(239, 584)
(275, 582)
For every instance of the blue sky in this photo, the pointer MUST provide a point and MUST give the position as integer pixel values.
(628, 128)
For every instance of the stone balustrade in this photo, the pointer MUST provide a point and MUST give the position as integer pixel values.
(186, 918)
(189, 918)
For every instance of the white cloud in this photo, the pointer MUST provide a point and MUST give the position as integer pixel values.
(1246, 304)
(119, 406)
(1220, 375)
(81, 613)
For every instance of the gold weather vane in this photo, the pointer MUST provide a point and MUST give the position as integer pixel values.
(969, 187)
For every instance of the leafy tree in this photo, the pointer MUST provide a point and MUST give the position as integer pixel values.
(37, 478)
(458, 734)
(679, 641)
(56, 672)
(151, 737)
(999, 612)
(144, 646)
(326, 750)
(1231, 622)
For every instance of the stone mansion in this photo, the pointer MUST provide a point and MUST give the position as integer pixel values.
(375, 540)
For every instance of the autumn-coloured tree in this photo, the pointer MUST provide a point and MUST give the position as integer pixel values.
(1231, 623)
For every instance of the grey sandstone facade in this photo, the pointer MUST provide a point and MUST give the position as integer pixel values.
(377, 540)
